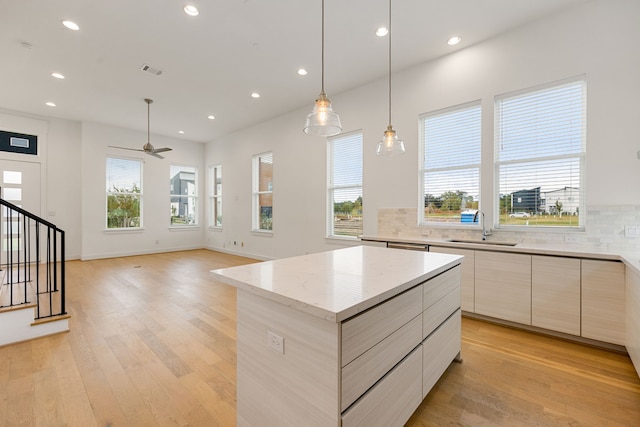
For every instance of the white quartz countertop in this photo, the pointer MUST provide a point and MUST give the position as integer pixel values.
(338, 284)
(630, 257)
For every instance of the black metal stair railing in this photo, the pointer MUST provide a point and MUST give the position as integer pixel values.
(34, 262)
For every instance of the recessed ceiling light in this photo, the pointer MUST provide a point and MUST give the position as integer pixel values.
(49, 104)
(382, 31)
(302, 72)
(57, 75)
(211, 117)
(191, 10)
(454, 40)
(71, 25)
(255, 95)
(180, 131)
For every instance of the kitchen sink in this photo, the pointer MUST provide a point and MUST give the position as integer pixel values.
(482, 242)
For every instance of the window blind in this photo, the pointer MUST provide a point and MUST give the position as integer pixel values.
(539, 153)
(450, 172)
(344, 210)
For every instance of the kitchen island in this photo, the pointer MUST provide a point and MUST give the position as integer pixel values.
(355, 336)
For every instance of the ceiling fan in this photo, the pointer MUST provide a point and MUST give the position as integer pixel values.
(147, 148)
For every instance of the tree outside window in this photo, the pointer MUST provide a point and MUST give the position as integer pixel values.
(124, 193)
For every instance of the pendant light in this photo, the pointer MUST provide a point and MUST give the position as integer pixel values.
(390, 143)
(322, 120)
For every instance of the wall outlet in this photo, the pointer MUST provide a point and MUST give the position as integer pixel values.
(275, 342)
(632, 231)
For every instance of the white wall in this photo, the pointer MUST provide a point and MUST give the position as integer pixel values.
(157, 235)
(598, 39)
(59, 157)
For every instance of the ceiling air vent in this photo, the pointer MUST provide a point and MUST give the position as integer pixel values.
(151, 70)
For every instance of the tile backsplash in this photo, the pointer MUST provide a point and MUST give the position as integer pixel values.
(604, 229)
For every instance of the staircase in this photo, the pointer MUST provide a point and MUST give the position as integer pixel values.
(32, 285)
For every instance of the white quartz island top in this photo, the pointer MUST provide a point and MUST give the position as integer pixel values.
(338, 284)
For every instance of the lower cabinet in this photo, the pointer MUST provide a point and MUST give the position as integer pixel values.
(603, 301)
(467, 278)
(575, 296)
(632, 301)
(401, 386)
(503, 286)
(394, 353)
(555, 293)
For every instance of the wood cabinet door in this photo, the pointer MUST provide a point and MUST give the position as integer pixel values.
(603, 305)
(555, 293)
(467, 278)
(632, 300)
(503, 286)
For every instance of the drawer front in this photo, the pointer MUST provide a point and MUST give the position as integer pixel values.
(438, 312)
(359, 375)
(365, 330)
(393, 400)
(436, 288)
(439, 350)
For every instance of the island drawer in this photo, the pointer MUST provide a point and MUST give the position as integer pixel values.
(391, 401)
(362, 373)
(438, 312)
(439, 350)
(437, 287)
(367, 329)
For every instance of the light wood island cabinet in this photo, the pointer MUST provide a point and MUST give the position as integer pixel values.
(352, 337)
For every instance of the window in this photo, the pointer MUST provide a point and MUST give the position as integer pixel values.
(263, 192)
(183, 184)
(124, 193)
(344, 186)
(215, 196)
(450, 165)
(539, 153)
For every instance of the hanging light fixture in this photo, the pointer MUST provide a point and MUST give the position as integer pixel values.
(390, 143)
(322, 120)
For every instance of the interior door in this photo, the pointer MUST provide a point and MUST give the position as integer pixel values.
(20, 183)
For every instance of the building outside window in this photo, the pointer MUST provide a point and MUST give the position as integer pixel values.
(263, 192)
(450, 151)
(124, 193)
(344, 186)
(215, 196)
(183, 185)
(539, 152)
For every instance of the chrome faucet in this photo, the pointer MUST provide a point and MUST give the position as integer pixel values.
(485, 233)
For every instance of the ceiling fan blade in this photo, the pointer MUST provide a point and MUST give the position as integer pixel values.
(161, 150)
(151, 153)
(125, 148)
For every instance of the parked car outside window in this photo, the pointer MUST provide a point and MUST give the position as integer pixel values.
(519, 215)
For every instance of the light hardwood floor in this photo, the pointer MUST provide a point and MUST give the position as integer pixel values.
(152, 343)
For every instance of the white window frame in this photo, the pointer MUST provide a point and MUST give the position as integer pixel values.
(215, 196)
(423, 220)
(578, 84)
(140, 195)
(193, 197)
(255, 205)
(332, 186)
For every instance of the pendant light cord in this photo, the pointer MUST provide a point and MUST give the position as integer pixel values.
(322, 46)
(389, 62)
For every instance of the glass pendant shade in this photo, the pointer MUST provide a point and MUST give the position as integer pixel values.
(322, 120)
(390, 144)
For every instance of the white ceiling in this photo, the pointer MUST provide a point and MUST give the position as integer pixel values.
(211, 63)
